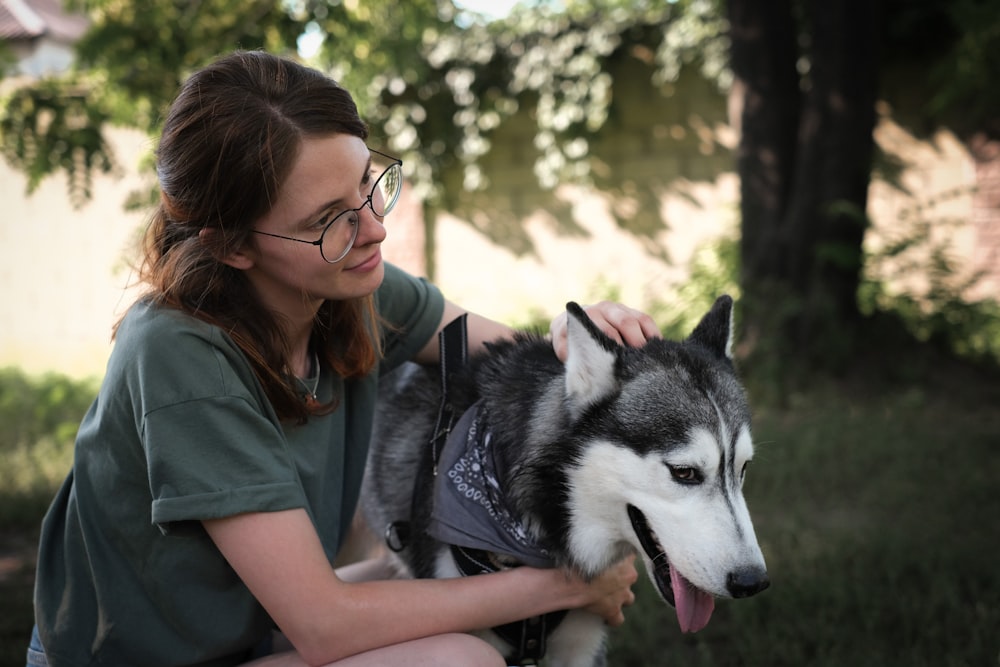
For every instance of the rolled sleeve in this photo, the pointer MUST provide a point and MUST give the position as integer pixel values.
(217, 457)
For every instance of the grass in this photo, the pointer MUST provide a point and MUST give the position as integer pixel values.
(877, 512)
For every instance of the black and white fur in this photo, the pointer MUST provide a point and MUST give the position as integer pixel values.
(618, 450)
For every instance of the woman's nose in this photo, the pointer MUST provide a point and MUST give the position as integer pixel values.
(371, 229)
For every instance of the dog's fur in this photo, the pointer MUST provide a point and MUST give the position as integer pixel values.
(618, 450)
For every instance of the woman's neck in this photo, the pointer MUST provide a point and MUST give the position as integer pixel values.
(299, 335)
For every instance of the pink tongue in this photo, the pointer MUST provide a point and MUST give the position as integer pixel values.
(694, 607)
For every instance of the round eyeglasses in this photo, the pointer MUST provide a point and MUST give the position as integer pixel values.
(341, 231)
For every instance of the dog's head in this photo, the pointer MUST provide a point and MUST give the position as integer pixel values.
(668, 444)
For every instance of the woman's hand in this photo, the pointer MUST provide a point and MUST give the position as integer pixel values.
(611, 590)
(620, 323)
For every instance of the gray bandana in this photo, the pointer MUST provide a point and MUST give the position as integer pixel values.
(469, 508)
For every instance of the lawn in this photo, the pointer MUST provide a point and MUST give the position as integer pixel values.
(877, 509)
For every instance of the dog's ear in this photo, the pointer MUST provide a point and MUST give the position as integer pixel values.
(590, 361)
(715, 331)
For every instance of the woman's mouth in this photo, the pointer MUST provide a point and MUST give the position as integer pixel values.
(369, 264)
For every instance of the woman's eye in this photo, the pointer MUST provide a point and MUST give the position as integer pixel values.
(326, 219)
(366, 183)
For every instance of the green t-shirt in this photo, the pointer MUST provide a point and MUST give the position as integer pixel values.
(182, 431)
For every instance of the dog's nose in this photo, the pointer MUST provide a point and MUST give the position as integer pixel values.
(746, 582)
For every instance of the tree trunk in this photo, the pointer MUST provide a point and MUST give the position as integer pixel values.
(804, 161)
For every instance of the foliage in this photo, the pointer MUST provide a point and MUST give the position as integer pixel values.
(935, 306)
(975, 59)
(435, 80)
(946, 52)
(8, 61)
(51, 127)
(915, 275)
(714, 272)
(40, 417)
(142, 51)
(129, 65)
(443, 93)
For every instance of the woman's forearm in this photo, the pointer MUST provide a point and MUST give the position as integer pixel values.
(372, 614)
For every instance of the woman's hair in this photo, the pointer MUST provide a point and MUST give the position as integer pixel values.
(229, 142)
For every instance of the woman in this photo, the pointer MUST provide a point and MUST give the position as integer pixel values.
(217, 472)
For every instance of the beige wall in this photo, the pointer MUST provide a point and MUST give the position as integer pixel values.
(62, 274)
(506, 286)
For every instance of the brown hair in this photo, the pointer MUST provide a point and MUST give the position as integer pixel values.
(229, 142)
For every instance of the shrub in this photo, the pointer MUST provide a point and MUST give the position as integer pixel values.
(39, 417)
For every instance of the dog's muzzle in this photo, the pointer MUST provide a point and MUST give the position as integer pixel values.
(694, 606)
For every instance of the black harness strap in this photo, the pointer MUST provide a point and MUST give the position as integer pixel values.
(528, 636)
(453, 350)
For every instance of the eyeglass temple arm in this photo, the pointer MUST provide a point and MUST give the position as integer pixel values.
(388, 157)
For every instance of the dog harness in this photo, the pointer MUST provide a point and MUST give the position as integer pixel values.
(469, 512)
(528, 637)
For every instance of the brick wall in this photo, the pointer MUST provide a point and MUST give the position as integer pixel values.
(986, 212)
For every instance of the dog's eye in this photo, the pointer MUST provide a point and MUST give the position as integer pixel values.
(685, 475)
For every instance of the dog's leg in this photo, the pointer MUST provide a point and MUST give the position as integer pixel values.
(577, 642)
(361, 543)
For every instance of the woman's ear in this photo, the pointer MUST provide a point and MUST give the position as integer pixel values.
(238, 259)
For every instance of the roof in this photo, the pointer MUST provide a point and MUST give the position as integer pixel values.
(28, 19)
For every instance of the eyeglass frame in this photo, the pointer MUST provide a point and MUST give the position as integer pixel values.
(394, 162)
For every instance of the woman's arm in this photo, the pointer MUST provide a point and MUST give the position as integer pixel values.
(279, 557)
(621, 323)
(480, 330)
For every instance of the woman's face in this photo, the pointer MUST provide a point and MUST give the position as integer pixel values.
(332, 174)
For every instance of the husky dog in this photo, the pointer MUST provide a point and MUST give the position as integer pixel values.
(618, 450)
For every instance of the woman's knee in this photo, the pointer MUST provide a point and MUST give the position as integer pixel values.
(462, 649)
(451, 650)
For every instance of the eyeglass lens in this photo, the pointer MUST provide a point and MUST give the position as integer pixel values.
(343, 230)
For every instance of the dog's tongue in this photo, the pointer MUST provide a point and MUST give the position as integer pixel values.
(694, 606)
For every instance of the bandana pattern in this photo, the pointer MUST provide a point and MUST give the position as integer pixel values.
(469, 508)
